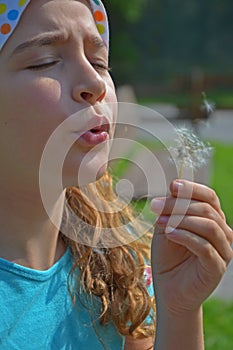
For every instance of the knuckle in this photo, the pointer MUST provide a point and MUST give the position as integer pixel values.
(207, 211)
(207, 250)
(213, 196)
(222, 267)
(231, 236)
(212, 227)
(223, 214)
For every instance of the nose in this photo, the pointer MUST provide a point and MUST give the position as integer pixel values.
(89, 87)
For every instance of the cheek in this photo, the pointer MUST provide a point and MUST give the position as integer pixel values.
(29, 114)
(33, 109)
(38, 100)
(111, 92)
(111, 98)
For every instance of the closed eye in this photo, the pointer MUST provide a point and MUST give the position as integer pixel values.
(42, 66)
(101, 67)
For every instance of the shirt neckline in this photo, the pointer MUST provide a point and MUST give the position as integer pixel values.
(39, 275)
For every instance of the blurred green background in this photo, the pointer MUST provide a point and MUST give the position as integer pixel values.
(158, 45)
(169, 51)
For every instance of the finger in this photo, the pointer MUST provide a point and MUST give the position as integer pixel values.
(207, 254)
(174, 206)
(194, 191)
(231, 234)
(205, 228)
(169, 205)
(179, 206)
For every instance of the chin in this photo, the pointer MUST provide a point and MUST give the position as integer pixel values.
(90, 169)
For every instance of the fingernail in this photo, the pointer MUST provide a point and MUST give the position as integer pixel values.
(169, 229)
(178, 186)
(157, 205)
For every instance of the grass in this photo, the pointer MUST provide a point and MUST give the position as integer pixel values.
(222, 177)
(218, 321)
(222, 99)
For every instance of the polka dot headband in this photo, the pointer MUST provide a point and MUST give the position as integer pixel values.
(12, 10)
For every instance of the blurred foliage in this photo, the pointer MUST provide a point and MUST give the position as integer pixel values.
(129, 10)
(218, 318)
(222, 175)
(156, 39)
(223, 98)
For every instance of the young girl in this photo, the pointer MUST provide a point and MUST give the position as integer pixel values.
(56, 293)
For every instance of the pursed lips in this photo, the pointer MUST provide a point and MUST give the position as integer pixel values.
(96, 131)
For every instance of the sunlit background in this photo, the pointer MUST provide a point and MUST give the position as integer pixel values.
(176, 57)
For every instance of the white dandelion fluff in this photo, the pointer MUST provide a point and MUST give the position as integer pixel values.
(207, 106)
(190, 150)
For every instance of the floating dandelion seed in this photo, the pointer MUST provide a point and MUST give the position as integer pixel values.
(190, 150)
(207, 106)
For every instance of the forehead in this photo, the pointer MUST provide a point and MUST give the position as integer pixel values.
(66, 16)
(57, 13)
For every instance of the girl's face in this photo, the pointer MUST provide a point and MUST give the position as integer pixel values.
(54, 65)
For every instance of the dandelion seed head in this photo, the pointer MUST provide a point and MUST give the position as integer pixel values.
(190, 150)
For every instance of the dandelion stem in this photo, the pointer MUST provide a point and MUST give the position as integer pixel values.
(181, 169)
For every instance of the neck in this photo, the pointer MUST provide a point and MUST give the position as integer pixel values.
(27, 236)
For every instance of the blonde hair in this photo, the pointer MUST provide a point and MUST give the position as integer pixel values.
(114, 274)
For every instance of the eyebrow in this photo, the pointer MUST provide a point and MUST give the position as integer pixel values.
(96, 41)
(43, 39)
(47, 39)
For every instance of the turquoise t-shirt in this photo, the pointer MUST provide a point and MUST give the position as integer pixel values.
(37, 312)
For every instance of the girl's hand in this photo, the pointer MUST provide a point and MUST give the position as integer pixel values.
(190, 260)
